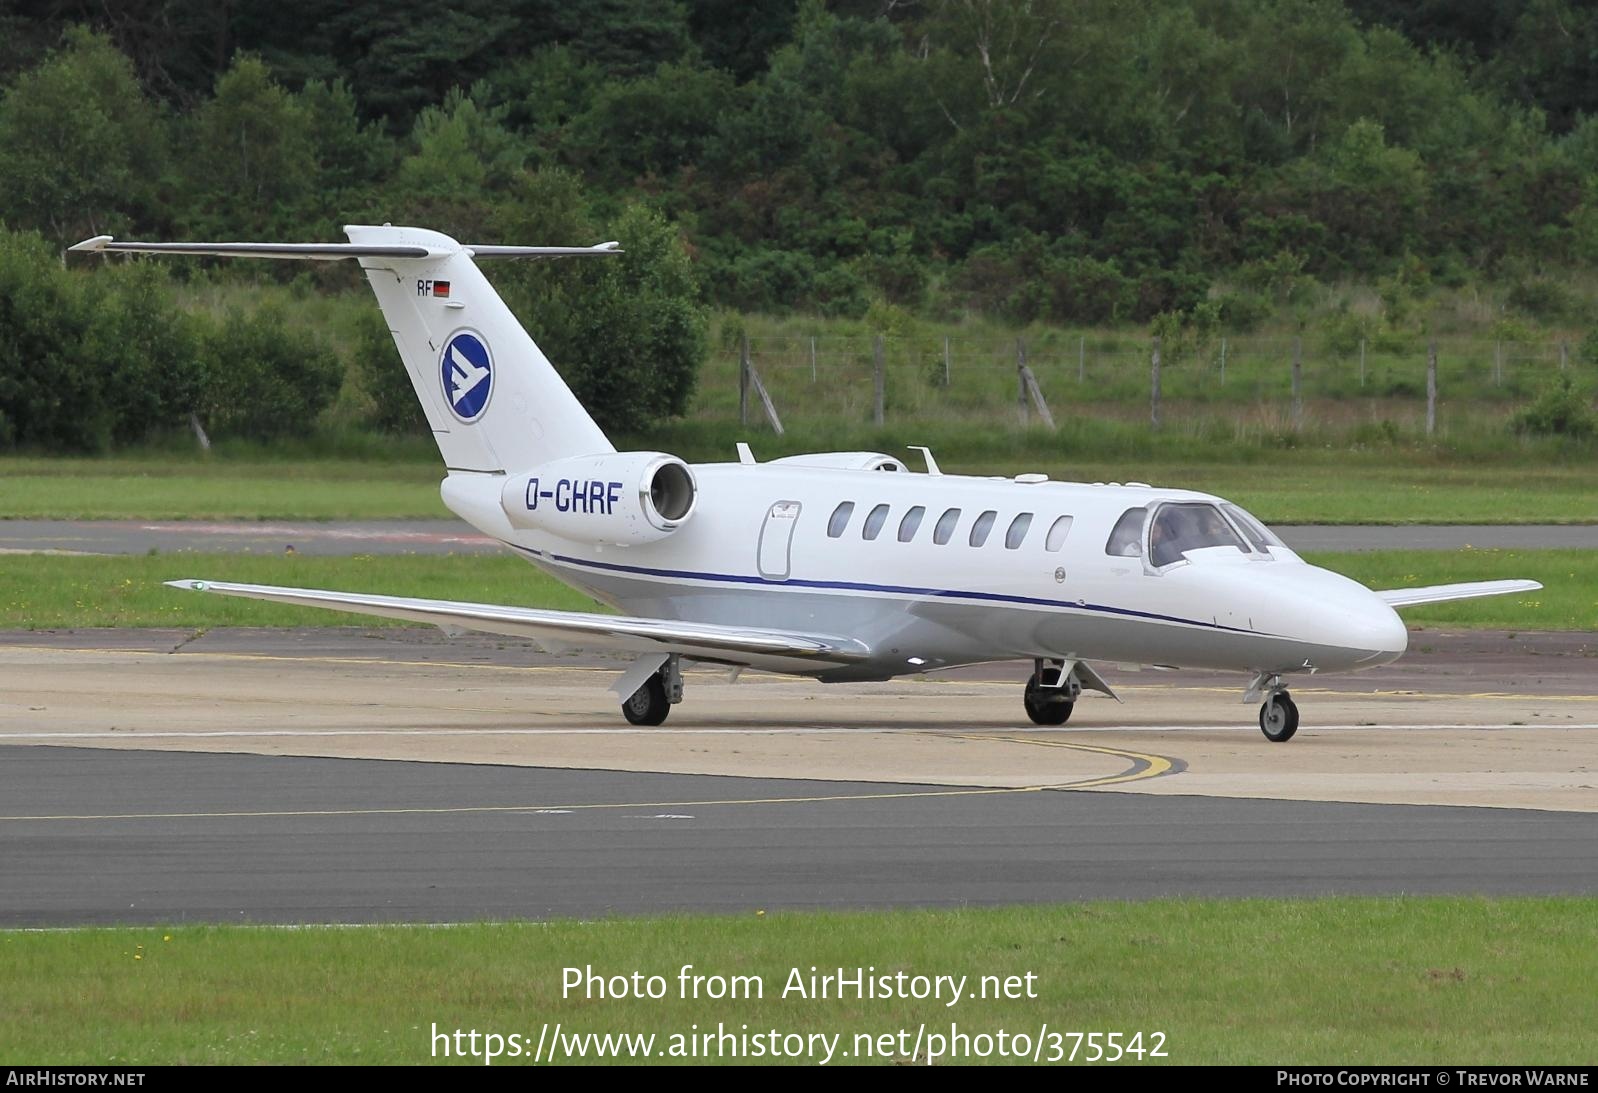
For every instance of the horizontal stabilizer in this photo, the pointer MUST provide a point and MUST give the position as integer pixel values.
(328, 252)
(699, 641)
(1442, 593)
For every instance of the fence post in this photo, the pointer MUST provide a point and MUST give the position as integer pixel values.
(1498, 363)
(1564, 355)
(765, 398)
(1223, 362)
(812, 358)
(1154, 386)
(199, 431)
(1431, 387)
(1020, 380)
(879, 382)
(1081, 359)
(1362, 362)
(743, 381)
(946, 360)
(1029, 386)
(1298, 379)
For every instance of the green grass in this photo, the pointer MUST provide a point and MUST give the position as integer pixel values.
(166, 486)
(1329, 981)
(48, 592)
(39, 591)
(1567, 601)
(1318, 485)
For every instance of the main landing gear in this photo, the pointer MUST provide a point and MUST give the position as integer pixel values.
(650, 703)
(1049, 698)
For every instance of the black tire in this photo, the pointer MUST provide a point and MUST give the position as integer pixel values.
(1279, 718)
(1047, 705)
(648, 704)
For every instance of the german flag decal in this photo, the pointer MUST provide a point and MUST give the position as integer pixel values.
(441, 289)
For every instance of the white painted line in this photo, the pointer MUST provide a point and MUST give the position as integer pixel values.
(962, 733)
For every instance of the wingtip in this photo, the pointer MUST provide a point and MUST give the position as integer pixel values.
(187, 584)
(95, 244)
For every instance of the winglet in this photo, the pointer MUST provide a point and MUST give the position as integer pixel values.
(96, 244)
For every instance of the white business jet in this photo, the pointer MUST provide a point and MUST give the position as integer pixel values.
(841, 566)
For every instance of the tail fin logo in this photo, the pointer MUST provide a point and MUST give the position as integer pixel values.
(467, 373)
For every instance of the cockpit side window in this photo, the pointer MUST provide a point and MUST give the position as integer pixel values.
(1256, 532)
(1181, 527)
(1126, 541)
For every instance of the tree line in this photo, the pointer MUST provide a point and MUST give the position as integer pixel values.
(1087, 161)
(1074, 161)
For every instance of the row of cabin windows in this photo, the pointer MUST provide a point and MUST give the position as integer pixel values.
(943, 530)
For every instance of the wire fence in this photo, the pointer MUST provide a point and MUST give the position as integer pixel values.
(1290, 383)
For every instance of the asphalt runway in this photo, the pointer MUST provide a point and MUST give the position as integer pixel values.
(452, 536)
(94, 836)
(355, 775)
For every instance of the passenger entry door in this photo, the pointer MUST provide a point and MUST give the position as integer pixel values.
(776, 540)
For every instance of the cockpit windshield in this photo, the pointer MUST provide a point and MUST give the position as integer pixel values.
(1182, 526)
(1256, 532)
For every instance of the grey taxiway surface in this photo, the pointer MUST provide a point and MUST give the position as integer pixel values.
(451, 536)
(101, 836)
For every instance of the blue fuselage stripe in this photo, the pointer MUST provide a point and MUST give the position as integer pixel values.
(857, 586)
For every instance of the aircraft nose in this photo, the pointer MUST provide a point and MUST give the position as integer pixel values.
(1367, 628)
(1351, 618)
(1388, 636)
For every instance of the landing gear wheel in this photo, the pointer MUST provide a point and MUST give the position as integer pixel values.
(648, 704)
(1047, 705)
(1279, 718)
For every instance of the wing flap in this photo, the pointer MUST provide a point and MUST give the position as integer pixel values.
(1443, 593)
(729, 644)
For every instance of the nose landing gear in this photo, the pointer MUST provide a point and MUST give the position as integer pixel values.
(1279, 718)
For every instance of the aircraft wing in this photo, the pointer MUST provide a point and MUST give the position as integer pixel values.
(745, 645)
(1442, 593)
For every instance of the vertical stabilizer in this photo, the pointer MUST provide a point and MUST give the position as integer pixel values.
(492, 399)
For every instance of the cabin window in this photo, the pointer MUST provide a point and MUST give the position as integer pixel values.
(874, 521)
(1126, 541)
(1057, 533)
(1179, 528)
(1254, 531)
(1018, 529)
(840, 519)
(944, 530)
(911, 523)
(980, 529)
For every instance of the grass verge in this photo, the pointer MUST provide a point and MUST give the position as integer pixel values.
(1324, 487)
(1343, 980)
(47, 592)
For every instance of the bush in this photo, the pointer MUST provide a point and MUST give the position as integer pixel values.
(1562, 409)
(1541, 298)
(264, 382)
(383, 380)
(89, 360)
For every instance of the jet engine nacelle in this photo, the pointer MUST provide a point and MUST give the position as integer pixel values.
(625, 498)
